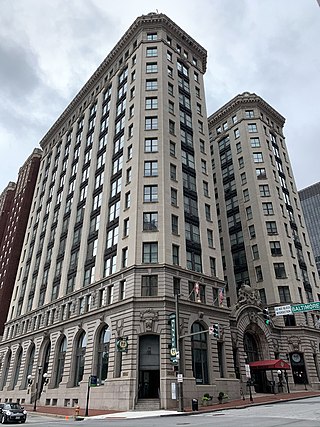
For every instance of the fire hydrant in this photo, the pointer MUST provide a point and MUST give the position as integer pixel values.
(76, 412)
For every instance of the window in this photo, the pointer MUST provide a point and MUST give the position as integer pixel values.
(241, 162)
(151, 103)
(80, 358)
(170, 71)
(127, 200)
(151, 84)
(174, 197)
(175, 255)
(192, 232)
(172, 127)
(249, 114)
(200, 126)
(151, 123)
(236, 133)
(150, 193)
(267, 208)
(234, 119)
(103, 354)
(151, 168)
(255, 252)
(249, 212)
(173, 172)
(264, 190)
(174, 224)
(150, 221)
(252, 127)
(151, 67)
(187, 159)
(152, 36)
(172, 149)
(126, 227)
(149, 286)
(191, 206)
(152, 51)
(151, 145)
(171, 107)
(243, 178)
(261, 173)
(255, 142)
(279, 270)
(210, 238)
(257, 157)
(205, 188)
(252, 232)
(246, 196)
(194, 261)
(284, 293)
(150, 252)
(275, 248)
(196, 76)
(169, 55)
(170, 89)
(199, 354)
(208, 212)
(259, 276)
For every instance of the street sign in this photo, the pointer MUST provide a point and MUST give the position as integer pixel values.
(297, 308)
(180, 378)
(283, 310)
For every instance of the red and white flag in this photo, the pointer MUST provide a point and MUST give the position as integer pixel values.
(221, 296)
(196, 288)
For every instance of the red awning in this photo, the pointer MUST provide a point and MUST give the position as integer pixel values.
(264, 365)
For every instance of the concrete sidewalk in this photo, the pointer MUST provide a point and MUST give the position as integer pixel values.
(258, 399)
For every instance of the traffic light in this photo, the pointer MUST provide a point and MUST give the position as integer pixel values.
(266, 316)
(216, 330)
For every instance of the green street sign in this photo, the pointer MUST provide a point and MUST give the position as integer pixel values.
(297, 308)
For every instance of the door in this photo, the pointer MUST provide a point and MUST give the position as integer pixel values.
(149, 367)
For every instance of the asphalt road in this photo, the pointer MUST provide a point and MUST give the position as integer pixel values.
(299, 413)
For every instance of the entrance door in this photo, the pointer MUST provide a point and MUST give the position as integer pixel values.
(149, 367)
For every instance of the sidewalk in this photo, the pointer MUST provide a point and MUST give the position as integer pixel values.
(258, 399)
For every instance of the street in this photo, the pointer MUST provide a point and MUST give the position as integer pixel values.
(300, 413)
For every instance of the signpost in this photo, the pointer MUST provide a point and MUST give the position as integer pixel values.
(297, 308)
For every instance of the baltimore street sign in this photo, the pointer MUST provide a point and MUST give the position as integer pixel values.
(297, 308)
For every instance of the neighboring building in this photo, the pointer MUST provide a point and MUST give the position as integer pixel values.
(15, 204)
(267, 254)
(122, 220)
(310, 202)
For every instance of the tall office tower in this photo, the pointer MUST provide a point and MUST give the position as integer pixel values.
(15, 204)
(123, 219)
(267, 254)
(310, 202)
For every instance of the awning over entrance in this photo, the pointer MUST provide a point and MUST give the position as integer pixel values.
(264, 365)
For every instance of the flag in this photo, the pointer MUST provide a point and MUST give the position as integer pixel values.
(221, 296)
(196, 288)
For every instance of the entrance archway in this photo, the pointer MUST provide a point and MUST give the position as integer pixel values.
(149, 367)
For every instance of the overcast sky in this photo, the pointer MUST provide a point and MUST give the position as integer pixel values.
(49, 49)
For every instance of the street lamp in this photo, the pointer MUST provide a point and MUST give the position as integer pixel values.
(180, 384)
(37, 389)
(280, 386)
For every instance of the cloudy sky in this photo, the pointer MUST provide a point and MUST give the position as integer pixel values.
(49, 49)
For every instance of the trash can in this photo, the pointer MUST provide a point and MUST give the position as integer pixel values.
(195, 404)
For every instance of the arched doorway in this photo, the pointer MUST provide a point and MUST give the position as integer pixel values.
(149, 367)
(251, 349)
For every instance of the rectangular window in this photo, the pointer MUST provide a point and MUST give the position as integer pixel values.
(271, 227)
(151, 145)
(249, 114)
(284, 294)
(150, 193)
(151, 103)
(174, 224)
(279, 270)
(150, 252)
(257, 157)
(174, 197)
(252, 127)
(255, 252)
(150, 221)
(252, 232)
(152, 51)
(255, 142)
(264, 190)
(151, 67)
(236, 133)
(151, 168)
(151, 123)
(173, 172)
(267, 208)
(175, 255)
(275, 248)
(210, 238)
(151, 84)
(259, 276)
(149, 286)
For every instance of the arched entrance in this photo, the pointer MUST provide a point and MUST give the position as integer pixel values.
(251, 349)
(149, 367)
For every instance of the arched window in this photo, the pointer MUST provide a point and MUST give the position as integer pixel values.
(17, 367)
(6, 367)
(103, 354)
(29, 364)
(199, 354)
(80, 357)
(60, 361)
(250, 347)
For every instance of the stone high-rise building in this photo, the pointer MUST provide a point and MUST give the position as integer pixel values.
(15, 204)
(310, 202)
(122, 220)
(267, 255)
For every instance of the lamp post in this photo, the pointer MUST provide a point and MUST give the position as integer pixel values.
(280, 385)
(287, 382)
(180, 384)
(37, 389)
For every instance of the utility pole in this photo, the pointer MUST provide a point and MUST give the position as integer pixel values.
(180, 384)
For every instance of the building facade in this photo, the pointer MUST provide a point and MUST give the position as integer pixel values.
(310, 202)
(122, 220)
(15, 207)
(266, 251)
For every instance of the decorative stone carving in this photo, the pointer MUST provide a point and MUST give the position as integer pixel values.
(247, 295)
(313, 345)
(253, 316)
(119, 327)
(148, 317)
(275, 344)
(294, 342)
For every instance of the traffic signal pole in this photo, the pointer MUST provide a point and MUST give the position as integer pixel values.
(180, 384)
